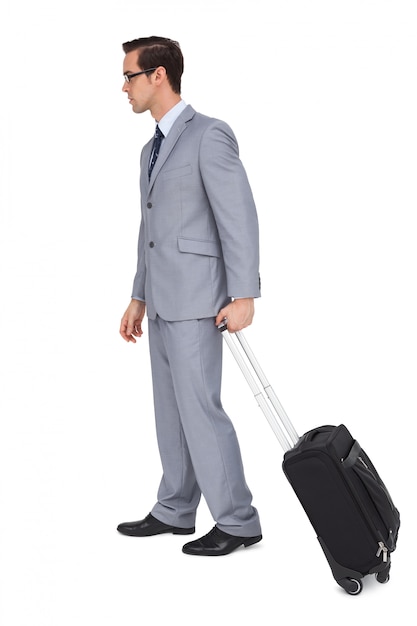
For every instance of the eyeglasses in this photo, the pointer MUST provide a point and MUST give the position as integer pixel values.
(128, 77)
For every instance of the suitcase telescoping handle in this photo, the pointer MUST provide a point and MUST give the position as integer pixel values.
(287, 436)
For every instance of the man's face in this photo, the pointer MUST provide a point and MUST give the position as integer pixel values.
(140, 89)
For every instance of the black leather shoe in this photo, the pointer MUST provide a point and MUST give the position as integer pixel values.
(151, 526)
(218, 543)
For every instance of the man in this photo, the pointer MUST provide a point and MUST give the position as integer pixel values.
(198, 263)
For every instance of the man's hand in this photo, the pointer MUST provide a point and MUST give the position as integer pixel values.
(131, 324)
(239, 314)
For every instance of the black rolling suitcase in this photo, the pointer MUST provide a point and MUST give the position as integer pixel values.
(340, 490)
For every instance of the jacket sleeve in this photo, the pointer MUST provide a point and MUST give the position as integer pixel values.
(231, 199)
(138, 290)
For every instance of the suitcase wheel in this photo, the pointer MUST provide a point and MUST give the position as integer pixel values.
(352, 586)
(382, 577)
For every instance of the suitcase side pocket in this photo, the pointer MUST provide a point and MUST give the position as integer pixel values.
(373, 495)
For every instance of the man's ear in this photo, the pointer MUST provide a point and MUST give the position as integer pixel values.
(160, 74)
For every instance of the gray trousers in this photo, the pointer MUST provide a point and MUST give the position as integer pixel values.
(197, 442)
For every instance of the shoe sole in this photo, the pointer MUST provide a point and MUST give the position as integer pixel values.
(183, 531)
(251, 540)
(173, 531)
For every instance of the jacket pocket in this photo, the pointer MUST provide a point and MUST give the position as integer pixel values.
(199, 246)
(185, 170)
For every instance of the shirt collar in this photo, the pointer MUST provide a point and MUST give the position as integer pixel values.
(166, 122)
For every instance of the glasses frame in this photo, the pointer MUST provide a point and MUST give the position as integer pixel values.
(128, 77)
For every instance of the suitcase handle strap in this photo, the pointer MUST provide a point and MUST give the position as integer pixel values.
(353, 455)
(237, 343)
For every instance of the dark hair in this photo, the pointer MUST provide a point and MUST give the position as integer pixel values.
(155, 51)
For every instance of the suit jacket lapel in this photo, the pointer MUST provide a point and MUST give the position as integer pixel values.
(174, 134)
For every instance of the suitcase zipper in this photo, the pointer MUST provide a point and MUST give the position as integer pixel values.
(384, 550)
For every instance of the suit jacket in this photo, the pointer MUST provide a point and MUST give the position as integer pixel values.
(199, 238)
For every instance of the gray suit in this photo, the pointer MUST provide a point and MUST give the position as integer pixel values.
(198, 248)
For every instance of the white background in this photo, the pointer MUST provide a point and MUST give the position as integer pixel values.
(331, 86)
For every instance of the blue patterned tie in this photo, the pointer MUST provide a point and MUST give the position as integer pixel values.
(155, 149)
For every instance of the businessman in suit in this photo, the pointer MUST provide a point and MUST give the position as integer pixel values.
(198, 263)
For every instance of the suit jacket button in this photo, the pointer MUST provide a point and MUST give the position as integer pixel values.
(149, 205)
(151, 244)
